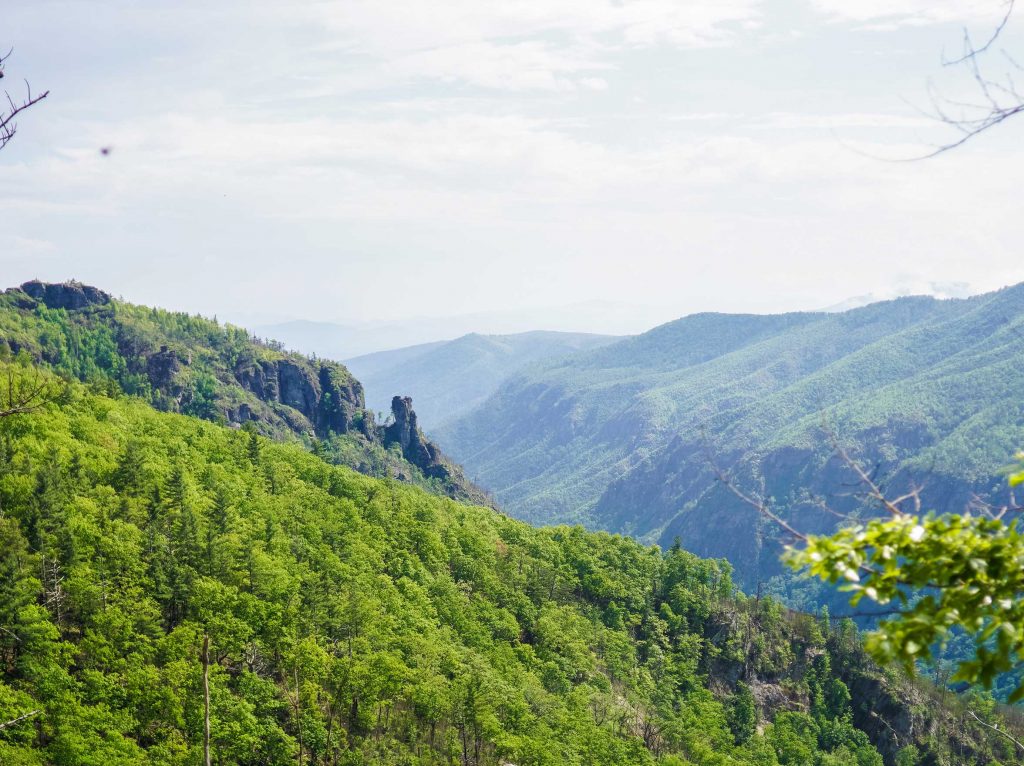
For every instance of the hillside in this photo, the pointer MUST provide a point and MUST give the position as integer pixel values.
(623, 437)
(196, 366)
(352, 620)
(449, 378)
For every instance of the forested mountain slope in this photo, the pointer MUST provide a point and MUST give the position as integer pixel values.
(447, 379)
(353, 620)
(193, 365)
(624, 437)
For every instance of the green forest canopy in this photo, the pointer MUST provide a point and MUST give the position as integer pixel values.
(354, 620)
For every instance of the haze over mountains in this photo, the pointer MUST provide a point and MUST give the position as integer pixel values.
(424, 627)
(343, 339)
(447, 379)
(625, 434)
(348, 338)
(622, 437)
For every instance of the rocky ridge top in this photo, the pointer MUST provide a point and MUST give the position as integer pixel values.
(196, 366)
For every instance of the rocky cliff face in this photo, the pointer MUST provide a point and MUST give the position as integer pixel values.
(161, 368)
(65, 295)
(405, 432)
(193, 365)
(323, 392)
(895, 711)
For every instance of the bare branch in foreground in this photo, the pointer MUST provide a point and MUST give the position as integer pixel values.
(874, 491)
(8, 127)
(757, 504)
(999, 99)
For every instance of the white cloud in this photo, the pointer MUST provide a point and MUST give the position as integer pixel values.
(406, 25)
(492, 152)
(890, 14)
(531, 64)
(518, 44)
(794, 120)
(700, 117)
(32, 245)
(594, 83)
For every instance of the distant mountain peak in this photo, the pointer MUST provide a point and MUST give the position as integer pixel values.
(926, 390)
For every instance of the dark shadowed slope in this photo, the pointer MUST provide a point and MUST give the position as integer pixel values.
(448, 379)
(619, 437)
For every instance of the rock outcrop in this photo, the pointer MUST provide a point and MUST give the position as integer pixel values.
(341, 400)
(65, 295)
(419, 451)
(297, 387)
(260, 378)
(405, 432)
(161, 369)
(323, 392)
(188, 364)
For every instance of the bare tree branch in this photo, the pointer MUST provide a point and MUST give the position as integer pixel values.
(996, 513)
(8, 127)
(996, 729)
(23, 394)
(19, 719)
(874, 491)
(756, 503)
(999, 101)
(970, 50)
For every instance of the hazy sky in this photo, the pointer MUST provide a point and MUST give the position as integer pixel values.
(383, 159)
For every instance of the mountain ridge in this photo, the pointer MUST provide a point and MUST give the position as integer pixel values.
(188, 364)
(619, 438)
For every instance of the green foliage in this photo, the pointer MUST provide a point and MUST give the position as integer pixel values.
(354, 620)
(945, 572)
(908, 756)
(207, 369)
(196, 366)
(742, 714)
(618, 437)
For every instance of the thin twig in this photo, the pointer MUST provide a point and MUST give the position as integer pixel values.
(873, 490)
(756, 504)
(970, 50)
(8, 127)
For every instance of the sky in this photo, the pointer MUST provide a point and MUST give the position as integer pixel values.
(382, 160)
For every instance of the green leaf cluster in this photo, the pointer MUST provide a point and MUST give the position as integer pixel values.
(940, 574)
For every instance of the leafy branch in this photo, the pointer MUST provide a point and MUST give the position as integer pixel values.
(966, 569)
